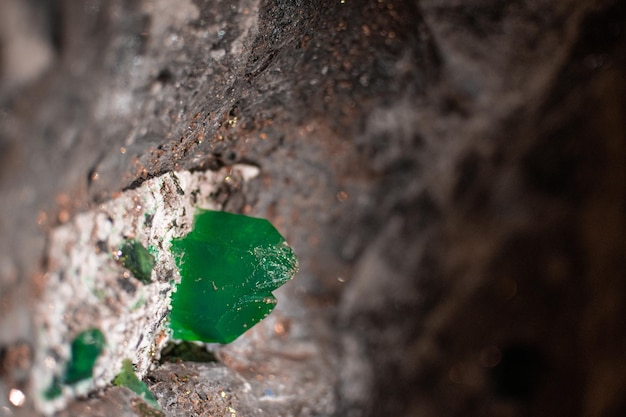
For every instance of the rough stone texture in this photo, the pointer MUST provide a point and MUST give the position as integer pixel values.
(87, 285)
(451, 174)
(115, 401)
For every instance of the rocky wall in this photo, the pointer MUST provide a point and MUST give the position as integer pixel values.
(450, 173)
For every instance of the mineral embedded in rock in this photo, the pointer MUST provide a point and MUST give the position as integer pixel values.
(86, 348)
(127, 378)
(229, 266)
(137, 260)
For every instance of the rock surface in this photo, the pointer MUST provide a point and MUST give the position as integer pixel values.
(451, 175)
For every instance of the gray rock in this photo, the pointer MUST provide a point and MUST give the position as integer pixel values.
(450, 174)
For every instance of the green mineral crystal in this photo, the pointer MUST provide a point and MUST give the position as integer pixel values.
(54, 390)
(127, 378)
(137, 260)
(229, 264)
(86, 348)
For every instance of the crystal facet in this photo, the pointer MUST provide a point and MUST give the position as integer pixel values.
(229, 264)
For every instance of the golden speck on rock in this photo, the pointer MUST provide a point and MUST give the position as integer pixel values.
(17, 397)
(63, 216)
(279, 328)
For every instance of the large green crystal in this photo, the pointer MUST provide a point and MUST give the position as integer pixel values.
(229, 264)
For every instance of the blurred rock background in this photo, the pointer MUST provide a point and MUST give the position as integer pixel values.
(451, 173)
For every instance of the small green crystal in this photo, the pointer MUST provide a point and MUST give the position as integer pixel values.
(54, 390)
(137, 260)
(86, 348)
(127, 378)
(229, 264)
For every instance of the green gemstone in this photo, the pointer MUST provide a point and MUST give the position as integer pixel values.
(137, 260)
(229, 264)
(127, 378)
(86, 348)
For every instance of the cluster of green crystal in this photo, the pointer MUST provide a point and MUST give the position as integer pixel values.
(229, 264)
(127, 378)
(137, 260)
(86, 348)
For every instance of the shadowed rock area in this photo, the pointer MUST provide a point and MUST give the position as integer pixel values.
(451, 174)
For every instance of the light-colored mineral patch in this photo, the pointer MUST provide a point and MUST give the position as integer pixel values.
(88, 287)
